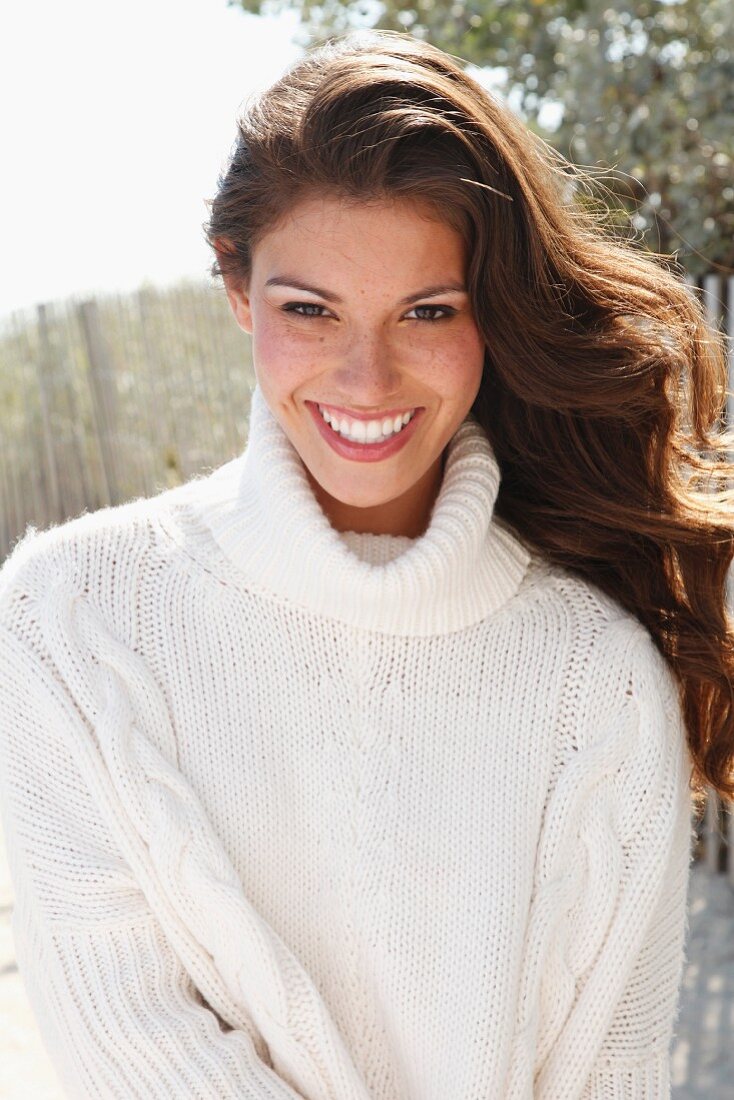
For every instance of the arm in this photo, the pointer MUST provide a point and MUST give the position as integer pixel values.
(598, 995)
(633, 1061)
(627, 927)
(118, 1012)
(104, 830)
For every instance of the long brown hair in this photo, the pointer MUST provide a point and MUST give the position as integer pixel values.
(603, 386)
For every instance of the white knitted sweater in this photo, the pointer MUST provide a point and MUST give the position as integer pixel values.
(291, 813)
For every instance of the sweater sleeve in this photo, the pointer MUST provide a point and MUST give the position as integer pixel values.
(118, 1013)
(611, 902)
(633, 1062)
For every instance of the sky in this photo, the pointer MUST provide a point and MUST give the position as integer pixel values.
(116, 122)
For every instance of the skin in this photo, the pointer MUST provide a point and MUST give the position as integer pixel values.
(370, 353)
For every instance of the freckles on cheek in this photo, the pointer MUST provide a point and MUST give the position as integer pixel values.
(284, 360)
(274, 342)
(461, 355)
(471, 348)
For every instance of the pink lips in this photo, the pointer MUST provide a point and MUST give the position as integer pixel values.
(364, 452)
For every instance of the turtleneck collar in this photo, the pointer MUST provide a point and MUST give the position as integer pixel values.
(265, 518)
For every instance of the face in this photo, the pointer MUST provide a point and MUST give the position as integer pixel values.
(360, 311)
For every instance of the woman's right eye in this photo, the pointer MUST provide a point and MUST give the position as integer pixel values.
(296, 307)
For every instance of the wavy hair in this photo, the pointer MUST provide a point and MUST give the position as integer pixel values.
(603, 390)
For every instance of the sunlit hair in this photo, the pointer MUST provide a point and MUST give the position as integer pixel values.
(603, 387)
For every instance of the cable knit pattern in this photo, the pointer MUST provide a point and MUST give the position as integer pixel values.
(299, 814)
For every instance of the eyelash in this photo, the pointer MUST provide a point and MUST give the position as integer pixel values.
(293, 307)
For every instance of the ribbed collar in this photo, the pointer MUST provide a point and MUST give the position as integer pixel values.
(263, 514)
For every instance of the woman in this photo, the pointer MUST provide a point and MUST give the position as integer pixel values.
(363, 766)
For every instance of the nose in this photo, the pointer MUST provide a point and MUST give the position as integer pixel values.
(369, 374)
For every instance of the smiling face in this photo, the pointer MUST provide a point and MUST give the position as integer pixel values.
(372, 337)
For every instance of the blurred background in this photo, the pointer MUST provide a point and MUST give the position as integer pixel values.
(121, 369)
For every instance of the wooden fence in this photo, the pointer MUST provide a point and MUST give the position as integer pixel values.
(113, 398)
(715, 830)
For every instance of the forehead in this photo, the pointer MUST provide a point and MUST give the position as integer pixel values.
(401, 232)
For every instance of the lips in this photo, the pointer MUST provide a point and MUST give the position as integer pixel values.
(365, 452)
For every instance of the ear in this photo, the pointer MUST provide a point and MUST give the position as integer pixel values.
(237, 291)
(239, 300)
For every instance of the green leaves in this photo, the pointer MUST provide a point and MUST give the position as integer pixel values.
(644, 97)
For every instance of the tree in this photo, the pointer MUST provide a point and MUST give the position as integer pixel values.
(643, 98)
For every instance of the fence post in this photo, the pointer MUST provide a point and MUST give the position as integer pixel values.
(103, 397)
(9, 522)
(730, 349)
(168, 430)
(729, 832)
(44, 370)
(711, 831)
(730, 425)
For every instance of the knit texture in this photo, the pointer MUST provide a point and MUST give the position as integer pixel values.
(294, 813)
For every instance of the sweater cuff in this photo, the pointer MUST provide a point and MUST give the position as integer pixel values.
(649, 1080)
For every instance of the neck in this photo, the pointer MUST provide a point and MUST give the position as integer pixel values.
(407, 515)
(269, 525)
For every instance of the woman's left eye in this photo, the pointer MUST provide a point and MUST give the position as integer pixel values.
(444, 312)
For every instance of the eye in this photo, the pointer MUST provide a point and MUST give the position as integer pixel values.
(444, 311)
(311, 309)
(296, 307)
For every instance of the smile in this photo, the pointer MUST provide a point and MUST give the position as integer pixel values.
(343, 435)
(366, 431)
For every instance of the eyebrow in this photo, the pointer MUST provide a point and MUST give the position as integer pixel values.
(427, 292)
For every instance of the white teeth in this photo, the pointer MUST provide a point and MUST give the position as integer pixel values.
(367, 431)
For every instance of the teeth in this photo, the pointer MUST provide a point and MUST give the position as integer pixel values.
(367, 431)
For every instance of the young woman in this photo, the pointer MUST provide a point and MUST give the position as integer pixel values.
(363, 766)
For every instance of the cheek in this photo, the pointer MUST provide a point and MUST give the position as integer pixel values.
(282, 353)
(455, 363)
(471, 349)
